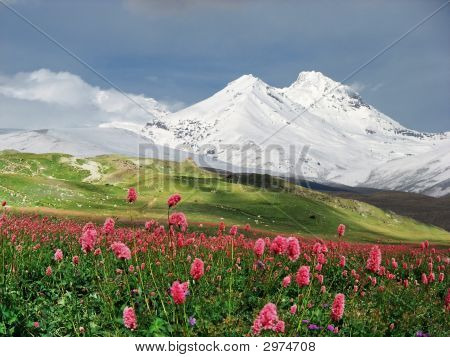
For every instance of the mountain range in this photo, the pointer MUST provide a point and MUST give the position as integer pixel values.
(316, 128)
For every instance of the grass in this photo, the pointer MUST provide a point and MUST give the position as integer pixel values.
(63, 185)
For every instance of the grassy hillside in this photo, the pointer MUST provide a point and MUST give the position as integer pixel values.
(95, 188)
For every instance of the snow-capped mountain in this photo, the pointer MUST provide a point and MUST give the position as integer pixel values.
(315, 128)
(254, 125)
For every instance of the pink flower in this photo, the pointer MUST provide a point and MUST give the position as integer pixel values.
(259, 246)
(197, 269)
(149, 224)
(108, 227)
(323, 289)
(48, 271)
(279, 245)
(36, 324)
(121, 250)
(374, 261)
(447, 300)
(293, 249)
(441, 277)
(286, 281)
(341, 230)
(58, 255)
(293, 309)
(179, 291)
(267, 319)
(321, 259)
(88, 239)
(302, 277)
(424, 279)
(132, 195)
(320, 279)
(342, 261)
(98, 251)
(337, 309)
(75, 260)
(279, 327)
(178, 219)
(173, 200)
(233, 230)
(129, 318)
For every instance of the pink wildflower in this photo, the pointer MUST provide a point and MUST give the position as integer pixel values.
(75, 260)
(233, 230)
(259, 246)
(341, 230)
(197, 269)
(337, 309)
(374, 261)
(129, 318)
(424, 279)
(179, 291)
(173, 200)
(132, 195)
(88, 239)
(48, 271)
(58, 255)
(447, 300)
(108, 227)
(121, 250)
(302, 277)
(279, 327)
(279, 245)
(293, 309)
(342, 261)
(267, 319)
(178, 219)
(149, 224)
(286, 281)
(293, 249)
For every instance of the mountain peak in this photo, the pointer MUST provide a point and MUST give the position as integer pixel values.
(246, 81)
(314, 79)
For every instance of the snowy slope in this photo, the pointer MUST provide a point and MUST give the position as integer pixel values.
(74, 141)
(89, 142)
(428, 173)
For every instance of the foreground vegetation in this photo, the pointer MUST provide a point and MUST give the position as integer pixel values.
(63, 278)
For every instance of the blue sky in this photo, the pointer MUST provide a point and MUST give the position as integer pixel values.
(182, 51)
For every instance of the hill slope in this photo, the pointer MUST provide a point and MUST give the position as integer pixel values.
(96, 187)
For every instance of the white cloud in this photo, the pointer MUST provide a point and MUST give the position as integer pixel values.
(357, 86)
(46, 99)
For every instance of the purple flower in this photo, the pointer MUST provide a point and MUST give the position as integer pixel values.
(305, 321)
(313, 327)
(330, 328)
(260, 265)
(192, 321)
(422, 334)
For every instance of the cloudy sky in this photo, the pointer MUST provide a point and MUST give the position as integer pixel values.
(182, 51)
